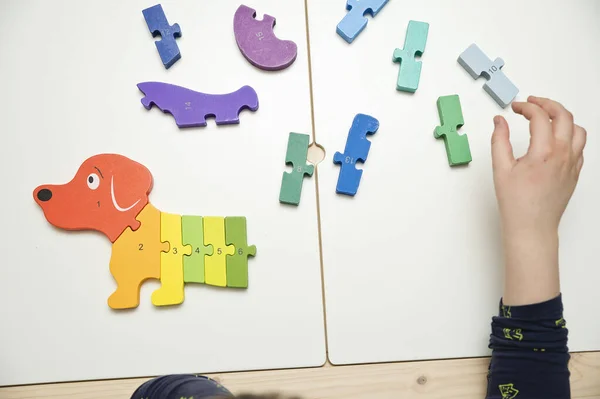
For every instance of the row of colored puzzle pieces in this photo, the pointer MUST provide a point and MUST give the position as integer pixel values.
(473, 59)
(190, 249)
(357, 150)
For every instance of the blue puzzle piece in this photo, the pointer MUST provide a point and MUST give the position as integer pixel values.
(355, 21)
(158, 25)
(357, 149)
(498, 86)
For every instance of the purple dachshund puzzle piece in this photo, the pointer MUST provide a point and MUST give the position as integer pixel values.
(258, 43)
(190, 108)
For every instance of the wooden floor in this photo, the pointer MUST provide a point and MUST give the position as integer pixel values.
(441, 379)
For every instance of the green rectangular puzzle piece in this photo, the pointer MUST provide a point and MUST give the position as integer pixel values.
(451, 117)
(193, 235)
(291, 183)
(237, 264)
(414, 45)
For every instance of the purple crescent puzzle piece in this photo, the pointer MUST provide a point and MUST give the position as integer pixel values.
(258, 43)
(190, 108)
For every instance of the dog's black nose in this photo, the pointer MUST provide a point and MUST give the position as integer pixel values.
(44, 194)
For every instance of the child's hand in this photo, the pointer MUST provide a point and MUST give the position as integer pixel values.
(533, 192)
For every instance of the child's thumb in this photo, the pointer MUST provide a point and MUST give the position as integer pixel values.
(502, 152)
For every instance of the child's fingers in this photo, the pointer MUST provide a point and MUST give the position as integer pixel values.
(561, 118)
(502, 152)
(579, 140)
(540, 127)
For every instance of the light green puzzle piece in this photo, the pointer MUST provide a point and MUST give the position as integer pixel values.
(291, 183)
(414, 45)
(451, 117)
(193, 235)
(237, 264)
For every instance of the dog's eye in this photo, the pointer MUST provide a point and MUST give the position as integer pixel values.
(93, 181)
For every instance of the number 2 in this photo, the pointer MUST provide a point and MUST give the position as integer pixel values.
(140, 247)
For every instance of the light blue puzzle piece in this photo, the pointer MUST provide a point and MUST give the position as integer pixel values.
(414, 45)
(357, 149)
(502, 90)
(158, 25)
(355, 21)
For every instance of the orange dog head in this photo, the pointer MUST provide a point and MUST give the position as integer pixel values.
(106, 195)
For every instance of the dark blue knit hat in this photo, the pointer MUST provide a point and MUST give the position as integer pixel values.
(181, 386)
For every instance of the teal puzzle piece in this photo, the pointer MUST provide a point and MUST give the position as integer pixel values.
(414, 45)
(291, 183)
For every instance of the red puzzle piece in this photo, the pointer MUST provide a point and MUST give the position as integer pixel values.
(106, 195)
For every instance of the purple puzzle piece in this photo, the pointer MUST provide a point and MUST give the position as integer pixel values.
(258, 43)
(190, 108)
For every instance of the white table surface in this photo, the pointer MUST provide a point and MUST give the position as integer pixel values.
(412, 263)
(69, 72)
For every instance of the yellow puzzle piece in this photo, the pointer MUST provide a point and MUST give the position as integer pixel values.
(215, 269)
(171, 262)
(135, 258)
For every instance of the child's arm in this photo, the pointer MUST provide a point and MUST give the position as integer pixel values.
(533, 192)
(529, 338)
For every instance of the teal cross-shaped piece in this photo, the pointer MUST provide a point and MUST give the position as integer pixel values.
(451, 118)
(414, 45)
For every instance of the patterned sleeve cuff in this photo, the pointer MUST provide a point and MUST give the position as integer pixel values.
(551, 309)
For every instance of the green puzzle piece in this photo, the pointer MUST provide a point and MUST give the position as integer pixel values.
(291, 183)
(414, 45)
(451, 117)
(237, 264)
(193, 234)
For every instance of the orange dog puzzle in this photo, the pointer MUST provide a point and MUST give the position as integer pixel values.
(109, 194)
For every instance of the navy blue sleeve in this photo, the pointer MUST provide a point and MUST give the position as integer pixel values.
(530, 356)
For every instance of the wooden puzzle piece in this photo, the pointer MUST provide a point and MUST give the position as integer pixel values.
(106, 194)
(414, 45)
(291, 183)
(451, 118)
(357, 149)
(135, 258)
(215, 270)
(258, 43)
(190, 108)
(171, 262)
(355, 21)
(237, 264)
(498, 86)
(193, 235)
(158, 25)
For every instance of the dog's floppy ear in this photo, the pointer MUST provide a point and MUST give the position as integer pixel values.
(131, 181)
